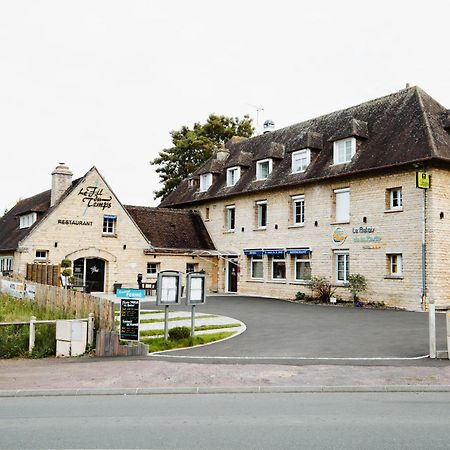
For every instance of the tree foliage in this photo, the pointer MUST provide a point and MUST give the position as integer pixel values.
(193, 146)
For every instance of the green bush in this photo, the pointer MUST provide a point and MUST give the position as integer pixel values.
(66, 272)
(357, 284)
(66, 263)
(300, 295)
(321, 288)
(178, 333)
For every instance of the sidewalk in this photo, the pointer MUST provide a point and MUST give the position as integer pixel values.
(118, 376)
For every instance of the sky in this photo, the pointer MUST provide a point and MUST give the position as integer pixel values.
(102, 83)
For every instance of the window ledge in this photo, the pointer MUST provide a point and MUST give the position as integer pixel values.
(283, 281)
(343, 284)
(393, 277)
(229, 232)
(300, 282)
(340, 163)
(109, 235)
(393, 210)
(260, 229)
(255, 280)
(300, 225)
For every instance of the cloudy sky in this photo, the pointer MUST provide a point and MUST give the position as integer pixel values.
(103, 82)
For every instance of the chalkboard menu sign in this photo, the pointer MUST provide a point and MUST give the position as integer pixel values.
(129, 319)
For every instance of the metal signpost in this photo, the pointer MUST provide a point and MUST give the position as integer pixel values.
(168, 292)
(196, 293)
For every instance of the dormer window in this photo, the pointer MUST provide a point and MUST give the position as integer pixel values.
(27, 220)
(205, 181)
(192, 182)
(300, 160)
(343, 150)
(263, 169)
(233, 175)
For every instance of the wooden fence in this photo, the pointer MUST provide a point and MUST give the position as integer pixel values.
(77, 304)
(44, 274)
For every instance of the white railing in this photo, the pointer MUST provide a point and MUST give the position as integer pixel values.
(33, 321)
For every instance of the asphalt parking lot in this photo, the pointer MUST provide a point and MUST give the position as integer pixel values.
(280, 330)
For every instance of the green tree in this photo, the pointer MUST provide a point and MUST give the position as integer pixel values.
(192, 147)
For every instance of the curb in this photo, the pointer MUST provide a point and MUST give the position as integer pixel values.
(17, 393)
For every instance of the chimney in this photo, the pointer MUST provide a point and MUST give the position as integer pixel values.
(61, 181)
(222, 154)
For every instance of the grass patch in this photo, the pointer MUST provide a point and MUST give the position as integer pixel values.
(200, 328)
(174, 319)
(14, 338)
(159, 344)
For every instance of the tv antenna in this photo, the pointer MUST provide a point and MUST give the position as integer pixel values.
(258, 109)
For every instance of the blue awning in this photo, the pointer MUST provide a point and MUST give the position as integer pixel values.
(298, 251)
(257, 252)
(274, 251)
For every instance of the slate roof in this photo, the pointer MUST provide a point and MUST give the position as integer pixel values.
(402, 128)
(165, 229)
(10, 234)
(171, 229)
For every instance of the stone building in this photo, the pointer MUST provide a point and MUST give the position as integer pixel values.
(344, 193)
(82, 220)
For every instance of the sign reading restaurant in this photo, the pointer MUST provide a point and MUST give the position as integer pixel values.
(74, 222)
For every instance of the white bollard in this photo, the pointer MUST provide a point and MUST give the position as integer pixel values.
(432, 329)
(448, 335)
(32, 336)
(91, 323)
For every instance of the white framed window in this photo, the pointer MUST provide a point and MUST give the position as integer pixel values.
(298, 209)
(395, 198)
(303, 267)
(343, 150)
(342, 266)
(233, 175)
(263, 169)
(109, 224)
(205, 181)
(257, 267)
(152, 268)
(191, 267)
(342, 202)
(41, 254)
(27, 220)
(395, 264)
(6, 263)
(300, 160)
(231, 217)
(261, 219)
(278, 267)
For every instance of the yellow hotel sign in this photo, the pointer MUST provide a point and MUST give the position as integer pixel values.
(423, 180)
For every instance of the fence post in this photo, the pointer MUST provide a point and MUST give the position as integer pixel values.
(32, 334)
(91, 329)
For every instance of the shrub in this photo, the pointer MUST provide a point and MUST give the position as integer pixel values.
(300, 295)
(178, 333)
(66, 263)
(357, 284)
(321, 288)
(66, 272)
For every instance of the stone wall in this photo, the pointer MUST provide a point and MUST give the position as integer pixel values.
(397, 231)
